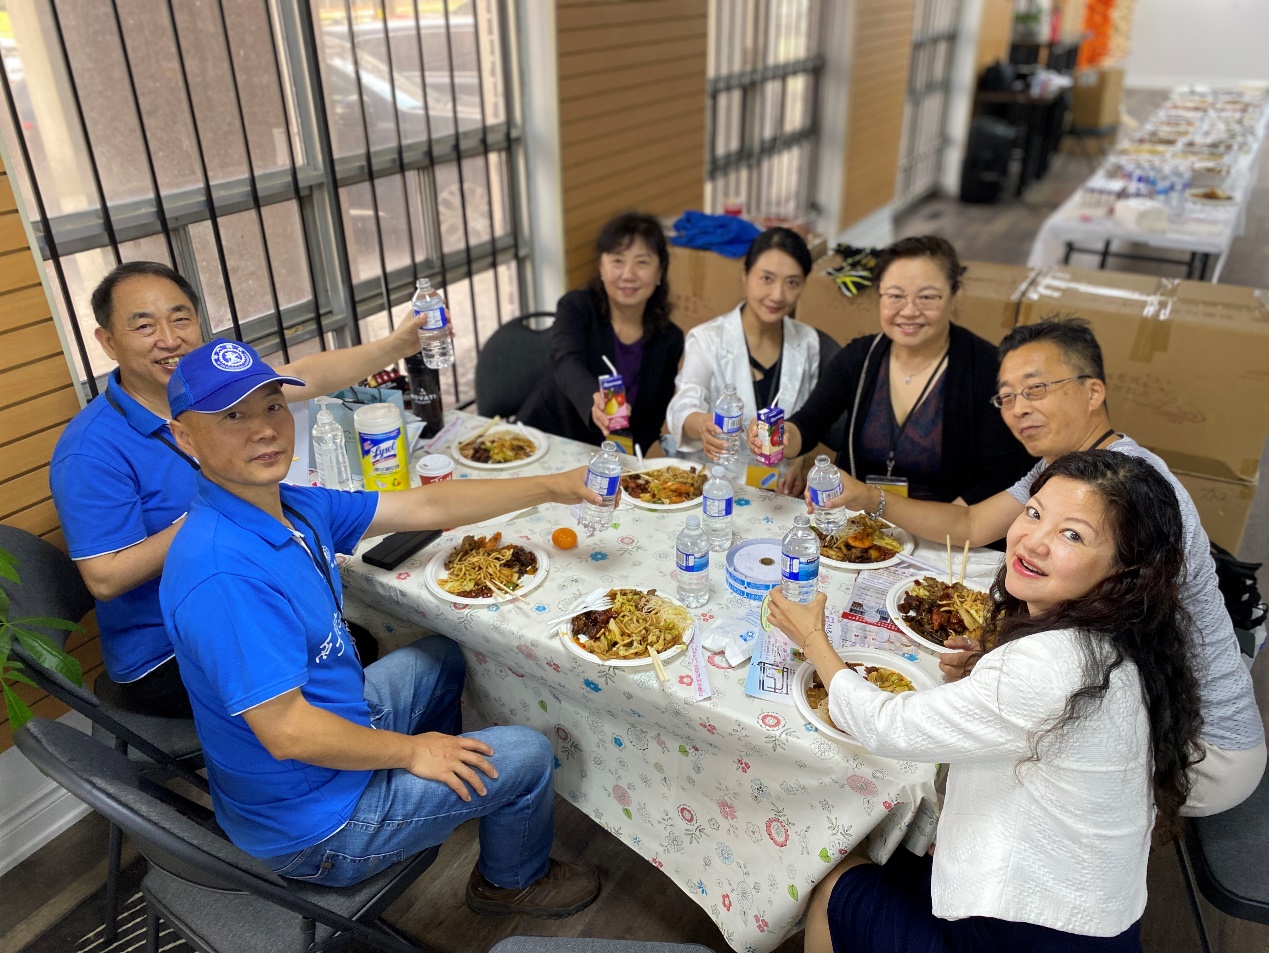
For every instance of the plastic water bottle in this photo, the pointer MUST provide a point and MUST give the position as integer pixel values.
(434, 339)
(825, 483)
(603, 476)
(719, 497)
(691, 555)
(333, 470)
(799, 561)
(729, 412)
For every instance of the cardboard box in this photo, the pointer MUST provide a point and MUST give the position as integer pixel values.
(1187, 363)
(991, 298)
(1223, 506)
(703, 285)
(1096, 97)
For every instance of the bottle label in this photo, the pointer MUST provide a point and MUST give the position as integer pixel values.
(384, 463)
(797, 569)
(825, 496)
(691, 562)
(728, 425)
(434, 318)
(603, 485)
(718, 506)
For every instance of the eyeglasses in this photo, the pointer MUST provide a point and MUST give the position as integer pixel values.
(1033, 391)
(924, 303)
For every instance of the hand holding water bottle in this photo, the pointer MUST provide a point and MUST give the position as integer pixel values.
(603, 488)
(729, 411)
(799, 621)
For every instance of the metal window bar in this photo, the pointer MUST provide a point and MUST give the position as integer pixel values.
(309, 180)
(936, 28)
(760, 47)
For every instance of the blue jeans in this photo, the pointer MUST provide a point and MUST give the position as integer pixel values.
(415, 690)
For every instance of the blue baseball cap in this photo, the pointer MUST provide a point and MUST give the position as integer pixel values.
(217, 375)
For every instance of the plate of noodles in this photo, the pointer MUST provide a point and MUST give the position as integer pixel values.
(889, 672)
(463, 574)
(619, 637)
(666, 486)
(864, 543)
(501, 448)
(929, 611)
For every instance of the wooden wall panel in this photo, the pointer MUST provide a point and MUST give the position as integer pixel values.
(37, 398)
(880, 58)
(994, 33)
(632, 114)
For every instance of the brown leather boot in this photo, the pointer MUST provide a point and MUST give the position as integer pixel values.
(564, 890)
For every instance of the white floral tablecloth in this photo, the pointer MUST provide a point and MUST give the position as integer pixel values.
(742, 804)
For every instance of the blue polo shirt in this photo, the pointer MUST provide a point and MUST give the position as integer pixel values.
(116, 483)
(251, 617)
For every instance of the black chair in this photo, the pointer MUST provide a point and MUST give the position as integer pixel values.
(1227, 856)
(219, 899)
(511, 363)
(52, 588)
(568, 944)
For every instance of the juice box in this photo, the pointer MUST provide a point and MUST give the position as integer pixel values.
(771, 435)
(615, 406)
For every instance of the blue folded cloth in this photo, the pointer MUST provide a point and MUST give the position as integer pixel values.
(725, 234)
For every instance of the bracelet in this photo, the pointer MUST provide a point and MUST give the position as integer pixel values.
(881, 508)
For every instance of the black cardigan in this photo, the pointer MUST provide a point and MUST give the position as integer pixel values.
(980, 457)
(580, 339)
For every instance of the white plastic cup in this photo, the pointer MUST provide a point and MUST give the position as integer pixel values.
(434, 468)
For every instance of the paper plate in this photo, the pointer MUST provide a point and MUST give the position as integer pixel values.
(893, 598)
(538, 437)
(663, 507)
(902, 535)
(802, 681)
(678, 650)
(436, 570)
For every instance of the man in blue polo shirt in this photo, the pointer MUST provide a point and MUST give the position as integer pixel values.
(121, 485)
(326, 771)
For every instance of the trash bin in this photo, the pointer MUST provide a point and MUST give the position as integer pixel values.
(986, 166)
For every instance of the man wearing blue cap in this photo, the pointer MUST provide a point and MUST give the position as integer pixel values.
(325, 771)
(121, 485)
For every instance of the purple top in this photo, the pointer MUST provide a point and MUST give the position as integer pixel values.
(629, 358)
(918, 455)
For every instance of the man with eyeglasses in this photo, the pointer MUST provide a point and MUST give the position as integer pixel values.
(1052, 396)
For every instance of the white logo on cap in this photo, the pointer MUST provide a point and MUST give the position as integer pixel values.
(229, 356)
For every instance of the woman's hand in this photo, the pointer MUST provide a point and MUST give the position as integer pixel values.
(710, 434)
(956, 665)
(855, 495)
(799, 621)
(597, 412)
(570, 488)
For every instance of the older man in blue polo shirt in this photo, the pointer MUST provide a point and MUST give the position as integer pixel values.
(121, 485)
(326, 771)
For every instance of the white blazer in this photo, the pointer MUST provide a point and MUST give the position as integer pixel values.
(715, 355)
(1062, 842)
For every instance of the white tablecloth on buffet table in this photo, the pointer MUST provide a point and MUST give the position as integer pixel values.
(743, 805)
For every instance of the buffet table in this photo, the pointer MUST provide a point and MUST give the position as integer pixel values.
(742, 804)
(1204, 230)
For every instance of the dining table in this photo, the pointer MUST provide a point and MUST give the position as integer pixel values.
(739, 800)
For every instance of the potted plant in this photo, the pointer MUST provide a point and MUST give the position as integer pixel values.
(38, 645)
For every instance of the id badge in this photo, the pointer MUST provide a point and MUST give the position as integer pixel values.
(624, 441)
(762, 477)
(891, 484)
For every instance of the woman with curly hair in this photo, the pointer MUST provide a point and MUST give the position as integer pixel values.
(1068, 744)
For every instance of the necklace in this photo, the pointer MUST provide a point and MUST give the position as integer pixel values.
(907, 378)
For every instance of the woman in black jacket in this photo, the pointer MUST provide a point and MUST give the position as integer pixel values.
(623, 314)
(917, 394)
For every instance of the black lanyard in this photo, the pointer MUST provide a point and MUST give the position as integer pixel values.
(896, 435)
(1112, 432)
(320, 565)
(773, 372)
(157, 435)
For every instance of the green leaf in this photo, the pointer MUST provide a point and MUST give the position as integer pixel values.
(49, 623)
(8, 571)
(825, 855)
(50, 656)
(683, 750)
(15, 675)
(542, 704)
(7, 559)
(4, 604)
(793, 891)
(19, 714)
(626, 811)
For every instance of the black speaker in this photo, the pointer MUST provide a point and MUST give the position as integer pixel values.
(986, 166)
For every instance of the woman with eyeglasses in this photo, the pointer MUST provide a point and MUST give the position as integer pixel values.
(917, 395)
(1069, 746)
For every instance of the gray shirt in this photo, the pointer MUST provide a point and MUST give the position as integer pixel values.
(1231, 720)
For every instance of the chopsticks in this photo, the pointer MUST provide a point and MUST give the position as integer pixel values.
(656, 664)
(485, 429)
(964, 560)
(499, 587)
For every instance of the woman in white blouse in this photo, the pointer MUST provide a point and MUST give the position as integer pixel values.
(772, 359)
(1068, 744)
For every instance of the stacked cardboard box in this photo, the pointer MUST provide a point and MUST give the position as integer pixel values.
(1187, 367)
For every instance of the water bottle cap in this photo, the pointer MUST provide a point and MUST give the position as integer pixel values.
(718, 472)
(608, 447)
(802, 520)
(423, 284)
(821, 460)
(693, 522)
(729, 389)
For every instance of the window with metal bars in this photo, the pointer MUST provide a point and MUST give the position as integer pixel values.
(936, 24)
(764, 74)
(302, 162)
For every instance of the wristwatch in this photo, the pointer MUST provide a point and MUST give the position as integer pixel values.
(881, 507)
